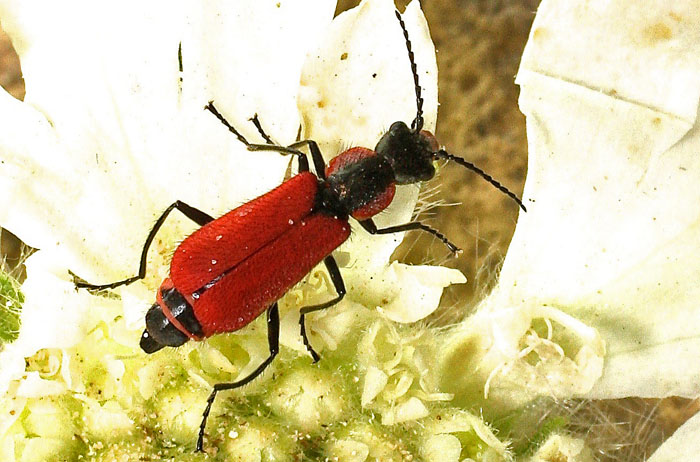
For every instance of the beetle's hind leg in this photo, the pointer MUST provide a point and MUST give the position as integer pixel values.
(273, 339)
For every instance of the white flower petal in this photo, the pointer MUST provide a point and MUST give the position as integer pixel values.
(375, 381)
(26, 135)
(372, 84)
(411, 409)
(476, 439)
(403, 293)
(418, 289)
(461, 421)
(612, 233)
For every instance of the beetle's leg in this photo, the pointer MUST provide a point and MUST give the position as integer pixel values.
(339, 285)
(190, 212)
(371, 228)
(303, 160)
(316, 156)
(273, 340)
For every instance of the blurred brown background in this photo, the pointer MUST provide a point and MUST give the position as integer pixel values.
(479, 44)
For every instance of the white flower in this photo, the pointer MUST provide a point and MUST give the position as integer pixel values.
(111, 133)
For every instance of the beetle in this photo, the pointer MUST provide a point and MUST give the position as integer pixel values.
(221, 278)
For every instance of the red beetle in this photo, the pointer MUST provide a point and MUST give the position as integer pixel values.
(221, 278)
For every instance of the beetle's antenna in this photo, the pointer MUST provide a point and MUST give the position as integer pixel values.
(417, 124)
(442, 154)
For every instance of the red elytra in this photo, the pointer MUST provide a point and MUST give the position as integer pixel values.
(238, 250)
(222, 244)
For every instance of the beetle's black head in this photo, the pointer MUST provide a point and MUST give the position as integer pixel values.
(409, 152)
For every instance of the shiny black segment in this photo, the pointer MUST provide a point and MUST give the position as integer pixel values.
(182, 311)
(160, 330)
